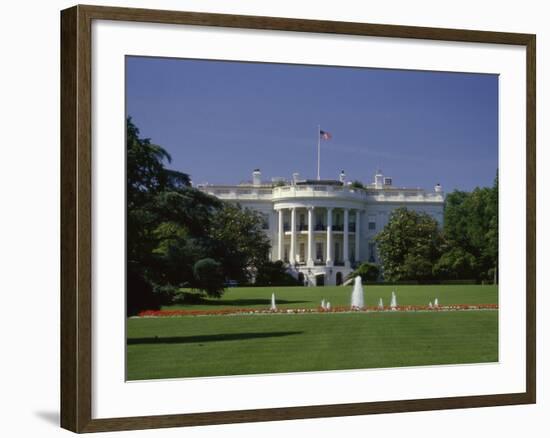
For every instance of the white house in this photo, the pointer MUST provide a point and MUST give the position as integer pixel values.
(322, 228)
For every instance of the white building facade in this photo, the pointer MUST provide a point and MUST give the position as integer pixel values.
(322, 229)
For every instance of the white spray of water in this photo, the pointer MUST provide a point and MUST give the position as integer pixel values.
(357, 300)
(393, 304)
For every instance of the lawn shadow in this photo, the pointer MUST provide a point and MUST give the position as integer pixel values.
(207, 338)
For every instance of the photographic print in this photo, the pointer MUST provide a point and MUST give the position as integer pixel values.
(289, 218)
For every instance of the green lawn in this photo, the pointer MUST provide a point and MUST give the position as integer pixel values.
(305, 297)
(192, 346)
(229, 345)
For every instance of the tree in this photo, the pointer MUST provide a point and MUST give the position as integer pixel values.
(456, 264)
(179, 237)
(409, 246)
(239, 242)
(208, 276)
(471, 234)
(165, 222)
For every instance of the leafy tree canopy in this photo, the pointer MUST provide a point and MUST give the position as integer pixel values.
(471, 233)
(178, 236)
(409, 245)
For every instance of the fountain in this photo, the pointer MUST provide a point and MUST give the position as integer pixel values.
(323, 305)
(393, 304)
(436, 303)
(327, 307)
(430, 306)
(380, 304)
(357, 301)
(273, 305)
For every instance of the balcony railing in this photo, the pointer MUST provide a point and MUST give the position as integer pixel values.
(319, 227)
(392, 194)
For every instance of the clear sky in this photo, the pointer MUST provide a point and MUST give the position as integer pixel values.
(220, 120)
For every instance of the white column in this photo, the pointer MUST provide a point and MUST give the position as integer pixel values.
(292, 255)
(329, 237)
(357, 234)
(281, 236)
(346, 238)
(310, 236)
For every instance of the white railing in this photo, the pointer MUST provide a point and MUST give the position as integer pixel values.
(324, 191)
(240, 194)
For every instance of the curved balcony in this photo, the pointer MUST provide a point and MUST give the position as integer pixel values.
(316, 191)
(335, 192)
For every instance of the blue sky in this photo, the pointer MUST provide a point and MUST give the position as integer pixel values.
(220, 120)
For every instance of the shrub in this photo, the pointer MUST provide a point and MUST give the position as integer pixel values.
(275, 274)
(208, 277)
(367, 271)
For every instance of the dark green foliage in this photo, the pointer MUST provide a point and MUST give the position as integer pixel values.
(471, 234)
(456, 263)
(409, 246)
(367, 271)
(357, 185)
(208, 276)
(274, 274)
(142, 296)
(413, 248)
(171, 226)
(239, 242)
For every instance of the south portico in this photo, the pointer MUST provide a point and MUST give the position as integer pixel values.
(323, 248)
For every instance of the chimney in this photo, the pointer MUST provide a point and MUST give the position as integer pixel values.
(256, 177)
(343, 177)
(378, 179)
(438, 188)
(295, 177)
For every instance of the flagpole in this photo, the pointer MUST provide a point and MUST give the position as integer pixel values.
(318, 152)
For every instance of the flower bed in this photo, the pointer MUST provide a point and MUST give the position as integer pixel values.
(337, 309)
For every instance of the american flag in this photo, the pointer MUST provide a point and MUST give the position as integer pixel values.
(325, 135)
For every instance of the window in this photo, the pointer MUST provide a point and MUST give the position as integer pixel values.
(319, 251)
(372, 225)
(302, 252)
(302, 226)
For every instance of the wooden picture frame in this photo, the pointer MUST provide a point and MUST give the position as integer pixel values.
(76, 217)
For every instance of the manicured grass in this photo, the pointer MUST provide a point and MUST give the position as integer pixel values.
(310, 297)
(197, 346)
(250, 344)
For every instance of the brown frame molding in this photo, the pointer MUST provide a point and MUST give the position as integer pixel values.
(76, 173)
